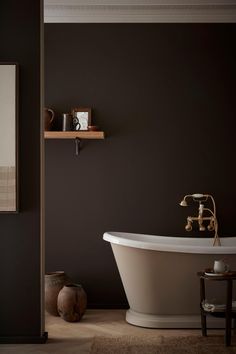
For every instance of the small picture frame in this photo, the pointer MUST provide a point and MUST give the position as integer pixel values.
(81, 118)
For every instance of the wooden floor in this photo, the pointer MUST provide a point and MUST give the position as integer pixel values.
(76, 338)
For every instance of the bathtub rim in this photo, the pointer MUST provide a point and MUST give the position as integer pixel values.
(122, 239)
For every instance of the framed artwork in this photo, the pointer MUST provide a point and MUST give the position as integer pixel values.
(9, 176)
(81, 118)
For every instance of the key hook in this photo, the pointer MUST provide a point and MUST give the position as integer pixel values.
(77, 146)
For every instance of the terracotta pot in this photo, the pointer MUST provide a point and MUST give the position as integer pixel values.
(54, 282)
(72, 302)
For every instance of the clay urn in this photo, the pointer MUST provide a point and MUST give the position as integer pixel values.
(72, 302)
(54, 282)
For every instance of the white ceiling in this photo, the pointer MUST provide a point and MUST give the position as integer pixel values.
(134, 11)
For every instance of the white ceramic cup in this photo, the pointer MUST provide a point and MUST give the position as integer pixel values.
(220, 266)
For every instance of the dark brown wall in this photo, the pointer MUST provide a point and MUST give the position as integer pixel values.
(20, 233)
(165, 96)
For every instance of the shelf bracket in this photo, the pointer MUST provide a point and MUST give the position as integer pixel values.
(77, 146)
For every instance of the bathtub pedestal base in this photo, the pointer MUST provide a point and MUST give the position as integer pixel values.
(170, 321)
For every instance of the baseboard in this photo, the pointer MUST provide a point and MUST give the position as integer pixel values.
(24, 339)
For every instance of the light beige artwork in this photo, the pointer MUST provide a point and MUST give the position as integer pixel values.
(7, 137)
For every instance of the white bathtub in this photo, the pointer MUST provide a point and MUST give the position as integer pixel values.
(159, 277)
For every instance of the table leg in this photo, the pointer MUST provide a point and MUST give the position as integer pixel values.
(203, 323)
(228, 315)
(203, 315)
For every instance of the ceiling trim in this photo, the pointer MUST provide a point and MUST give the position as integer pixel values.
(139, 11)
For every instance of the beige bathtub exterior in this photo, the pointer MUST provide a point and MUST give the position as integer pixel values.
(162, 287)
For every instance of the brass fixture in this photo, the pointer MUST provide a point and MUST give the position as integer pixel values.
(213, 223)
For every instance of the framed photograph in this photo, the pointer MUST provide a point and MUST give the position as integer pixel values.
(81, 118)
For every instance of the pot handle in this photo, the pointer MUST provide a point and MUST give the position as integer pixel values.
(51, 112)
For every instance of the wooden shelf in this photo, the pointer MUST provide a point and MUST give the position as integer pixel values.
(74, 134)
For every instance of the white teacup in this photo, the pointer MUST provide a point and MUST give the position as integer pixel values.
(220, 266)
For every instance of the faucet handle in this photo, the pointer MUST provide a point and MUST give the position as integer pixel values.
(188, 226)
(211, 226)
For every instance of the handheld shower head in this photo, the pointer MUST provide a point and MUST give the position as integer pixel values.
(183, 203)
(198, 195)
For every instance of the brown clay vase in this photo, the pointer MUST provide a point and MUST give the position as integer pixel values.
(72, 302)
(54, 282)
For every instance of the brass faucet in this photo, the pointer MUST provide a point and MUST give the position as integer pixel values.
(213, 223)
